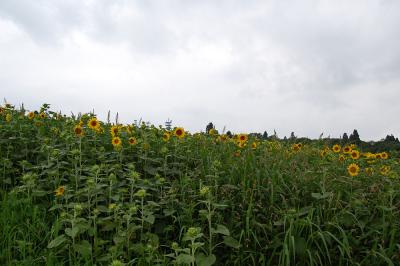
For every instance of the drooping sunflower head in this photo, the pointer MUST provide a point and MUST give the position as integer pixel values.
(336, 148)
(179, 132)
(116, 142)
(213, 131)
(132, 141)
(31, 115)
(355, 154)
(346, 150)
(223, 137)
(8, 117)
(166, 136)
(114, 131)
(60, 191)
(78, 130)
(296, 147)
(353, 169)
(369, 170)
(385, 170)
(254, 145)
(93, 123)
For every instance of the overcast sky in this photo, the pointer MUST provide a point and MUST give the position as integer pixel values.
(302, 66)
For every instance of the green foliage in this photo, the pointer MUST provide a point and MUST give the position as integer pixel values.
(200, 200)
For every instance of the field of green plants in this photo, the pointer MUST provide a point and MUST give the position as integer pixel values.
(78, 191)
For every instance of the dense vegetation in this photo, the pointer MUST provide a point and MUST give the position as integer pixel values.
(77, 191)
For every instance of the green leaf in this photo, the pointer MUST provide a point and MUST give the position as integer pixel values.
(221, 229)
(72, 232)
(231, 242)
(84, 248)
(150, 218)
(203, 260)
(57, 241)
(184, 259)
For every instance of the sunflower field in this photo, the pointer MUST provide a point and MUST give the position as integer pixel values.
(75, 190)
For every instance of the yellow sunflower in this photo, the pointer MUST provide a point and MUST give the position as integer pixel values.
(60, 191)
(355, 154)
(323, 153)
(42, 115)
(31, 115)
(385, 170)
(213, 131)
(78, 131)
(254, 145)
(132, 141)
(116, 142)
(378, 156)
(242, 137)
(341, 158)
(8, 117)
(114, 131)
(296, 147)
(166, 136)
(384, 155)
(347, 150)
(93, 123)
(369, 170)
(336, 148)
(179, 132)
(223, 137)
(353, 169)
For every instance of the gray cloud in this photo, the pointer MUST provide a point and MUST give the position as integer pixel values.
(304, 66)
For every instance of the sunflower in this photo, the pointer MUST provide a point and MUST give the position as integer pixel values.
(78, 130)
(114, 131)
(223, 137)
(296, 147)
(42, 115)
(132, 141)
(341, 158)
(241, 144)
(346, 150)
(242, 137)
(353, 169)
(179, 132)
(8, 118)
(323, 153)
(336, 148)
(93, 123)
(369, 171)
(116, 142)
(31, 115)
(166, 136)
(213, 131)
(385, 170)
(254, 145)
(355, 154)
(378, 155)
(300, 145)
(384, 155)
(60, 191)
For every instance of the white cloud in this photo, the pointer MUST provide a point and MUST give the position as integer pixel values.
(304, 66)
